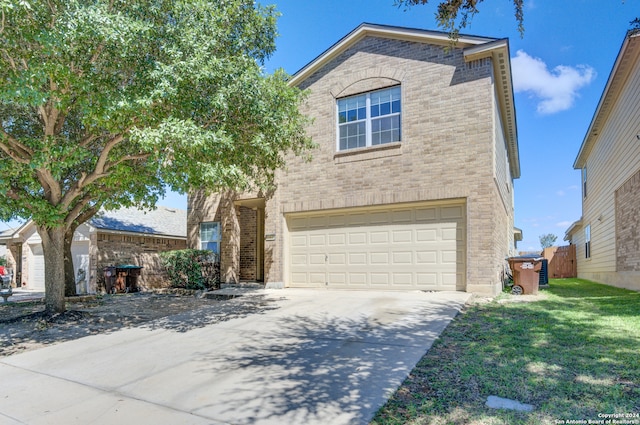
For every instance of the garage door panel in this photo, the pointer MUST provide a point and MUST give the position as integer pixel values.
(377, 237)
(426, 214)
(449, 234)
(399, 248)
(400, 236)
(315, 259)
(357, 238)
(337, 239)
(402, 216)
(299, 240)
(429, 279)
(317, 278)
(427, 257)
(357, 278)
(379, 258)
(337, 259)
(449, 257)
(357, 258)
(426, 235)
(317, 240)
(379, 279)
(402, 279)
(451, 212)
(379, 217)
(402, 258)
(299, 259)
(337, 278)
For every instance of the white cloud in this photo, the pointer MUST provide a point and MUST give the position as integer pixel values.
(555, 89)
(560, 193)
(563, 224)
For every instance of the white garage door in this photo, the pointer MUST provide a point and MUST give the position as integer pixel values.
(418, 246)
(36, 268)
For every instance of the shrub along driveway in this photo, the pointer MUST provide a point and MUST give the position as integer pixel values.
(574, 355)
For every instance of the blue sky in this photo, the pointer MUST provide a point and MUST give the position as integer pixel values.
(560, 68)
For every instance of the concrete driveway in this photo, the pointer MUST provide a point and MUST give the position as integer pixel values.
(318, 357)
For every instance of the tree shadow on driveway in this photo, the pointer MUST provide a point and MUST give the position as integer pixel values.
(321, 369)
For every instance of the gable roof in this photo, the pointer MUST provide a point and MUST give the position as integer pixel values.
(622, 68)
(473, 48)
(162, 221)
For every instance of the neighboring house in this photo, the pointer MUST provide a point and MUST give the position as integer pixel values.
(410, 186)
(125, 236)
(607, 237)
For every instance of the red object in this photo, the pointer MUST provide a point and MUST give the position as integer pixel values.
(3, 271)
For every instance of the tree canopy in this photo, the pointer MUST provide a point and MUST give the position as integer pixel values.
(105, 103)
(454, 15)
(547, 240)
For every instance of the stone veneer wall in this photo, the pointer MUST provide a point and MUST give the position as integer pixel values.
(628, 225)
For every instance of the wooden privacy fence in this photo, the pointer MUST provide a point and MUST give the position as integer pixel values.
(562, 261)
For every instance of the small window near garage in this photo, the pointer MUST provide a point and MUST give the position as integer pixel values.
(587, 241)
(210, 237)
(369, 119)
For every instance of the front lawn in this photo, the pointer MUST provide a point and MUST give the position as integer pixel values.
(574, 355)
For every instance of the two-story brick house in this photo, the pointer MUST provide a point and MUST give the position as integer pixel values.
(411, 183)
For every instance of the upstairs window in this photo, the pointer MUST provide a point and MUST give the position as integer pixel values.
(369, 119)
(584, 181)
(210, 237)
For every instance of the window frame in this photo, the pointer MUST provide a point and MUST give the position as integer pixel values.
(587, 241)
(584, 182)
(217, 241)
(369, 119)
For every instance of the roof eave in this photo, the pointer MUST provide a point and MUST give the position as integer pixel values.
(622, 67)
(383, 31)
(498, 51)
(574, 226)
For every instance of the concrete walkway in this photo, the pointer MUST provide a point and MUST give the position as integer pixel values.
(319, 357)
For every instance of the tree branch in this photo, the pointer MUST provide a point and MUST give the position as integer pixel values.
(125, 159)
(14, 149)
(76, 214)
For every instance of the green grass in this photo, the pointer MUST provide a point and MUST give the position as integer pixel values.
(573, 355)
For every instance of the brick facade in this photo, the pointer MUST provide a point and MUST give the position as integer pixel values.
(142, 251)
(628, 225)
(448, 152)
(248, 243)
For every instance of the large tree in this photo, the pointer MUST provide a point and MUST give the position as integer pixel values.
(454, 15)
(105, 103)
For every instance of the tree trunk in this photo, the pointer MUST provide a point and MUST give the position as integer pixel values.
(53, 247)
(69, 271)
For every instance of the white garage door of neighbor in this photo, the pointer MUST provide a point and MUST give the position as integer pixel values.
(36, 268)
(409, 247)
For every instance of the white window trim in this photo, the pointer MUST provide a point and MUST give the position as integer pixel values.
(219, 241)
(368, 120)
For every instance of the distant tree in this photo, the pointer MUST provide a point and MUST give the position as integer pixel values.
(105, 103)
(454, 15)
(547, 240)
